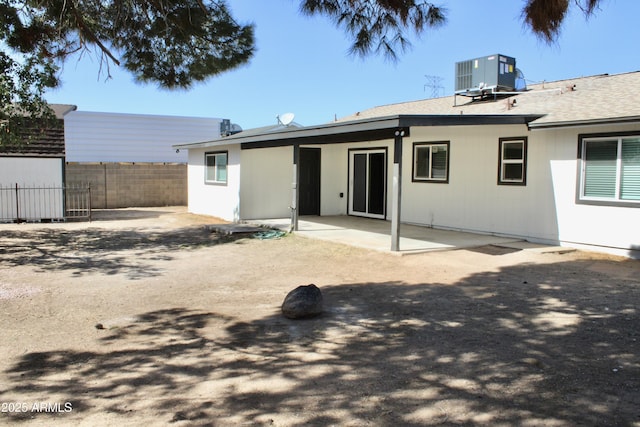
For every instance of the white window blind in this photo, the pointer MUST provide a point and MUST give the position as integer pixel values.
(630, 180)
(611, 169)
(430, 162)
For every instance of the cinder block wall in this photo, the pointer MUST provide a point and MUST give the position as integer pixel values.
(124, 185)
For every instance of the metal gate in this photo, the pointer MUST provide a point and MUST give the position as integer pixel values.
(44, 203)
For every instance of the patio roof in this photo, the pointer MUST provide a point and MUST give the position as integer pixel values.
(370, 129)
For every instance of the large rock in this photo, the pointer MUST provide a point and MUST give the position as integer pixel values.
(303, 301)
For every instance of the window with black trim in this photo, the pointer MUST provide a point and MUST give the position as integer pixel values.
(512, 169)
(431, 161)
(610, 169)
(215, 167)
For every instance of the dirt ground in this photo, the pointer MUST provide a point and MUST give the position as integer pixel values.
(145, 317)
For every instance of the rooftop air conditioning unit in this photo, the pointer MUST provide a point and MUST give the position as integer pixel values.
(227, 128)
(486, 75)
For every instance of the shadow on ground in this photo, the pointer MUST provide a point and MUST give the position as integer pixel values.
(105, 251)
(126, 214)
(494, 349)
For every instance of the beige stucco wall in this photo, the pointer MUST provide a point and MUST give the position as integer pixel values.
(545, 210)
(267, 179)
(219, 200)
(609, 228)
(472, 200)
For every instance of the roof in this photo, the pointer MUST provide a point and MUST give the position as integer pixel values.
(42, 142)
(48, 142)
(595, 99)
(586, 100)
(61, 110)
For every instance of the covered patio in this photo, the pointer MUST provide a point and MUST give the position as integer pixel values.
(375, 234)
(389, 132)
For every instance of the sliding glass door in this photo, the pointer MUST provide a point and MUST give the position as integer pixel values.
(368, 183)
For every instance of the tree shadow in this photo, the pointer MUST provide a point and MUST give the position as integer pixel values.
(124, 214)
(522, 346)
(95, 250)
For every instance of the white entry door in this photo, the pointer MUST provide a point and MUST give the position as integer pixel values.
(368, 183)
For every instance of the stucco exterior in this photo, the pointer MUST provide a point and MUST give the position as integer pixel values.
(219, 200)
(472, 199)
(544, 210)
(266, 180)
(608, 228)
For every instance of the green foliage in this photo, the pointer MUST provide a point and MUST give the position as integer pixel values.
(157, 47)
(378, 26)
(178, 43)
(545, 17)
(22, 85)
(171, 43)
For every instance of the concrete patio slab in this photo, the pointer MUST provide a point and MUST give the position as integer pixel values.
(376, 234)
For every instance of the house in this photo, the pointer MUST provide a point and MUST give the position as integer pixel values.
(38, 162)
(128, 159)
(557, 163)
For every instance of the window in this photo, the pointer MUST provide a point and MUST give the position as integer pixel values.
(216, 168)
(610, 169)
(513, 161)
(431, 161)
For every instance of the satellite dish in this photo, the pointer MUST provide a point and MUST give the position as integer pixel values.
(286, 118)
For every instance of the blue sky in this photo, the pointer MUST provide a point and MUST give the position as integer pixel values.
(301, 64)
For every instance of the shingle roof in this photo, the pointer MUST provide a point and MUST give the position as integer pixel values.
(38, 142)
(591, 99)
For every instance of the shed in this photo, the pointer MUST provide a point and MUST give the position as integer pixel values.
(32, 173)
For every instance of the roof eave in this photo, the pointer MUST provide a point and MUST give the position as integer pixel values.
(582, 123)
(358, 130)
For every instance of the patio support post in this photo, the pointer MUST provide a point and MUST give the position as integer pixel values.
(294, 186)
(396, 190)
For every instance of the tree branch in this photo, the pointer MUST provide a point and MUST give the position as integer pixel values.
(92, 36)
